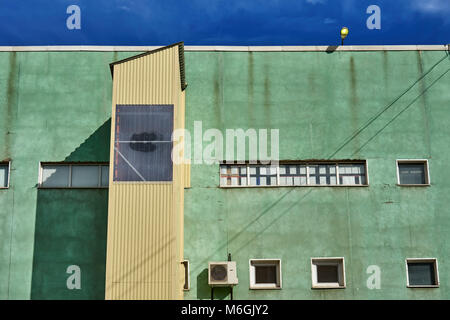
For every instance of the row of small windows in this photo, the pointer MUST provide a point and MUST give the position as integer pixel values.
(53, 175)
(329, 273)
(409, 172)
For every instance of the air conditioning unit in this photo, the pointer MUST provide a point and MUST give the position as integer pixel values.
(222, 274)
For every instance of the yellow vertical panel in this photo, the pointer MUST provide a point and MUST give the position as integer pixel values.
(187, 175)
(145, 220)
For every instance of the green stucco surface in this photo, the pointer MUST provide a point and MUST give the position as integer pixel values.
(378, 106)
(53, 107)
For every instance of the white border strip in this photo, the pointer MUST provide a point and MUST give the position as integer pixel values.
(232, 48)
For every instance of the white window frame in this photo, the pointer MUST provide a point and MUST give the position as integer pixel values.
(427, 172)
(307, 164)
(187, 273)
(423, 260)
(70, 165)
(328, 261)
(265, 262)
(6, 163)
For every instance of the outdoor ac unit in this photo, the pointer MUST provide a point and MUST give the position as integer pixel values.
(222, 274)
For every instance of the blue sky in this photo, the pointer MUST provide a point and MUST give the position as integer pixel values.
(220, 22)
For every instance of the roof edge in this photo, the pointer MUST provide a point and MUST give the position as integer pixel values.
(180, 59)
(445, 47)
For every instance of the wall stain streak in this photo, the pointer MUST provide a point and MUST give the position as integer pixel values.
(250, 88)
(218, 89)
(425, 110)
(354, 101)
(267, 96)
(385, 69)
(11, 102)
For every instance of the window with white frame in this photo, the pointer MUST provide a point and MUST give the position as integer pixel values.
(413, 172)
(4, 175)
(79, 175)
(265, 273)
(294, 174)
(422, 273)
(328, 273)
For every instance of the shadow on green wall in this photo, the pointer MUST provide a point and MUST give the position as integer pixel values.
(204, 290)
(95, 147)
(70, 230)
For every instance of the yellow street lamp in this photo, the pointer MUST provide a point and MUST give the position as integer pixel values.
(344, 33)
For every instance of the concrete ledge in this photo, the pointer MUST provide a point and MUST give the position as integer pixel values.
(230, 48)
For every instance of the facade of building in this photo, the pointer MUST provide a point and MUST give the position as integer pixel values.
(356, 208)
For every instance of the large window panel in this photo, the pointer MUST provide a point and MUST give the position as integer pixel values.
(85, 176)
(79, 175)
(143, 146)
(55, 176)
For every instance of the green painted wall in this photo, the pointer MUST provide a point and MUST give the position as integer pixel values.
(399, 104)
(70, 230)
(56, 107)
(53, 107)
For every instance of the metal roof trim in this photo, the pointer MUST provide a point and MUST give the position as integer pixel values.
(181, 60)
(445, 47)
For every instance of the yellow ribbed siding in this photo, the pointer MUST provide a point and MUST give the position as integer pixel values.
(145, 220)
(187, 176)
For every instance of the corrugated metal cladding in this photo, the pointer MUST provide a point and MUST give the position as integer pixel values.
(145, 219)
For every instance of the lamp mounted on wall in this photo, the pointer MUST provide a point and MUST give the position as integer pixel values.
(344, 34)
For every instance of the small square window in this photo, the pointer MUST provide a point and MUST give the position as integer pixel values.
(4, 175)
(413, 172)
(422, 273)
(328, 273)
(265, 274)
